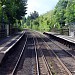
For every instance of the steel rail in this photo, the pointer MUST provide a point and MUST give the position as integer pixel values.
(13, 72)
(45, 62)
(37, 62)
(62, 48)
(48, 47)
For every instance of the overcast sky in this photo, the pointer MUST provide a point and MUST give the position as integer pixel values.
(41, 6)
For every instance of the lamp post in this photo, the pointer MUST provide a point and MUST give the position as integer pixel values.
(3, 16)
(3, 26)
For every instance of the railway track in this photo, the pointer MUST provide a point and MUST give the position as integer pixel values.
(43, 58)
(24, 53)
(30, 59)
(44, 67)
(50, 60)
(62, 55)
(65, 59)
(36, 54)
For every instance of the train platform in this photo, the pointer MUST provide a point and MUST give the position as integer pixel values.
(67, 40)
(7, 43)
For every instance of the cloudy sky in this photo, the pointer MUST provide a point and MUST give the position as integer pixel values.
(41, 6)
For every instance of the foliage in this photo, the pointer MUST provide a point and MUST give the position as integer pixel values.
(34, 15)
(60, 11)
(70, 12)
(64, 12)
(13, 11)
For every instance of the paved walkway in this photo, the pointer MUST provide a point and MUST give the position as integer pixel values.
(8, 41)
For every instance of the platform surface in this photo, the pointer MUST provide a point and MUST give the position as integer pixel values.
(65, 37)
(8, 41)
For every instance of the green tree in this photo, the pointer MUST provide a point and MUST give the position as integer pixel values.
(15, 9)
(34, 15)
(59, 12)
(70, 12)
